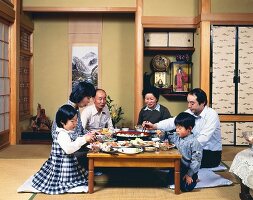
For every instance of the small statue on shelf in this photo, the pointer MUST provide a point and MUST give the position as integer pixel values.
(40, 122)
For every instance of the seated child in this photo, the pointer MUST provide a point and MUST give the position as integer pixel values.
(190, 149)
(61, 171)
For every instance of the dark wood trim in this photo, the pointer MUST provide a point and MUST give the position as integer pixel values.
(7, 12)
(25, 52)
(26, 23)
(4, 139)
(35, 142)
(231, 18)
(9, 3)
(78, 9)
(236, 118)
(169, 49)
(2, 146)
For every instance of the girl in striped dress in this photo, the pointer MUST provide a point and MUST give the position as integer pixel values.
(61, 172)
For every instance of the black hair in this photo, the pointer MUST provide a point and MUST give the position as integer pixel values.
(185, 119)
(81, 90)
(64, 113)
(153, 90)
(200, 94)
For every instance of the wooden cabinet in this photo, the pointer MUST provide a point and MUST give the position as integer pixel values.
(175, 45)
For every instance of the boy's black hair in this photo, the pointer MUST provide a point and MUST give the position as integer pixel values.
(81, 90)
(65, 113)
(200, 94)
(153, 90)
(185, 119)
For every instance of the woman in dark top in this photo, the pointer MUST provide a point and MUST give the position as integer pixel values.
(152, 111)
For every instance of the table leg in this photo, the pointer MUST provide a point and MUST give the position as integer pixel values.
(91, 176)
(177, 176)
(244, 195)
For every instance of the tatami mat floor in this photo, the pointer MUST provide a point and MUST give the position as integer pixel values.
(19, 162)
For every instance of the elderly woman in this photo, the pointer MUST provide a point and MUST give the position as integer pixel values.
(152, 111)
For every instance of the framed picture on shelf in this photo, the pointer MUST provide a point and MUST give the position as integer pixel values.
(160, 80)
(181, 76)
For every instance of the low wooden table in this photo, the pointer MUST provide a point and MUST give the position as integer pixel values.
(161, 159)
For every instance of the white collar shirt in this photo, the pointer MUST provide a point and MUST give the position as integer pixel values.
(206, 129)
(156, 108)
(92, 119)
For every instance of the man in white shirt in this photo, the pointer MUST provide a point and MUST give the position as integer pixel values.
(206, 129)
(97, 115)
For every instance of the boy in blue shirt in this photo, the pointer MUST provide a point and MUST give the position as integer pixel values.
(190, 149)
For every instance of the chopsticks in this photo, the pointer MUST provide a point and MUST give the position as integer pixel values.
(143, 129)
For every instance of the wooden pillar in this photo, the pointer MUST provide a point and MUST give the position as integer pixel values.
(14, 82)
(205, 57)
(205, 8)
(138, 60)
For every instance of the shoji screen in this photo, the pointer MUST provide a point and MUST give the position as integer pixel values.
(4, 78)
(245, 63)
(223, 65)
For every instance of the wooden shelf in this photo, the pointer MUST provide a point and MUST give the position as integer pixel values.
(168, 50)
(166, 93)
(177, 96)
(191, 49)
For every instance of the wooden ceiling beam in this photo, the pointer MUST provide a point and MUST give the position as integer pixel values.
(78, 9)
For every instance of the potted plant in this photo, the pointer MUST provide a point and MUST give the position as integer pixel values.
(115, 111)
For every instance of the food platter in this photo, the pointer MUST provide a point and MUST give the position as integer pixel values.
(122, 135)
(140, 143)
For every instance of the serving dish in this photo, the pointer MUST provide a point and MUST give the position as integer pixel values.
(138, 142)
(130, 150)
(131, 134)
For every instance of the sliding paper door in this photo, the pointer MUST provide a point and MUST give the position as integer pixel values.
(4, 84)
(245, 63)
(223, 65)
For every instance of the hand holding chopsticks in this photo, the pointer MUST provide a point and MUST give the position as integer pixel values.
(148, 125)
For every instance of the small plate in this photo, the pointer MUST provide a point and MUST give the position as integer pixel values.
(165, 147)
(113, 151)
(130, 150)
(110, 140)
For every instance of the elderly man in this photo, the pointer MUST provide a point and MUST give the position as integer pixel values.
(97, 115)
(207, 127)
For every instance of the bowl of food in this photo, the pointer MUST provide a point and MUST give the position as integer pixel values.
(130, 150)
(149, 149)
